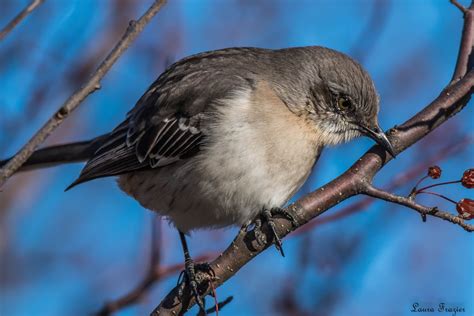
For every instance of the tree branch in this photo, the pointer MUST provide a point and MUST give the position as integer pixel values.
(465, 49)
(356, 180)
(93, 84)
(20, 16)
(396, 183)
(423, 210)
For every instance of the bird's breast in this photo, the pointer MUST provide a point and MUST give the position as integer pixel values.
(258, 153)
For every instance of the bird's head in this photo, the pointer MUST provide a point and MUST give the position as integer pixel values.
(343, 101)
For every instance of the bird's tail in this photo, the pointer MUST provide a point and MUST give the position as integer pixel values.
(61, 154)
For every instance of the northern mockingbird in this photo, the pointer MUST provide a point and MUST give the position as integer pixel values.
(223, 136)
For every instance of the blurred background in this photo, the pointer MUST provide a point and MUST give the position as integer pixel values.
(70, 253)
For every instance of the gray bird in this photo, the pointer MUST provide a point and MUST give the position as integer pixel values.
(224, 136)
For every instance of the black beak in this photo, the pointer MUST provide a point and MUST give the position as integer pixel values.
(380, 138)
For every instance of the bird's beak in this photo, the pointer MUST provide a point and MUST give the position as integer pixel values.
(380, 138)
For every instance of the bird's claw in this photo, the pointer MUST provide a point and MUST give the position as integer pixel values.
(268, 216)
(277, 211)
(190, 275)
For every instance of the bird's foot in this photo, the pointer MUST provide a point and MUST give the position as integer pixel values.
(268, 216)
(195, 275)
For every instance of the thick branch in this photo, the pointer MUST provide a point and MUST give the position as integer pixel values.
(17, 19)
(354, 181)
(423, 210)
(134, 28)
(465, 48)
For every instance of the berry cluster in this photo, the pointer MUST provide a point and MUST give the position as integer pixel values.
(465, 207)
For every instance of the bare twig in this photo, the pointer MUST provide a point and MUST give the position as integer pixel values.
(93, 84)
(17, 19)
(356, 180)
(423, 210)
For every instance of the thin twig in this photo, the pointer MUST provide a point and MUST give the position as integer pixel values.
(93, 84)
(435, 185)
(20, 16)
(440, 196)
(419, 181)
(424, 210)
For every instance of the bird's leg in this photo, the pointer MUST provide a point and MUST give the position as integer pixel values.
(190, 273)
(268, 216)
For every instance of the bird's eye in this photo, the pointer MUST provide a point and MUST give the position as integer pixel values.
(344, 104)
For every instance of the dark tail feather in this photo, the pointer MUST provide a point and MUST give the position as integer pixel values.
(61, 154)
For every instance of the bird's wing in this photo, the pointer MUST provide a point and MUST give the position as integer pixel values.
(165, 124)
(160, 144)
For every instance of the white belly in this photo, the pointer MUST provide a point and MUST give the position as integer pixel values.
(247, 165)
(193, 197)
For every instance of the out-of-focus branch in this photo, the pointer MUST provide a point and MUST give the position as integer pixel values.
(155, 274)
(93, 84)
(372, 31)
(20, 16)
(356, 180)
(151, 277)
